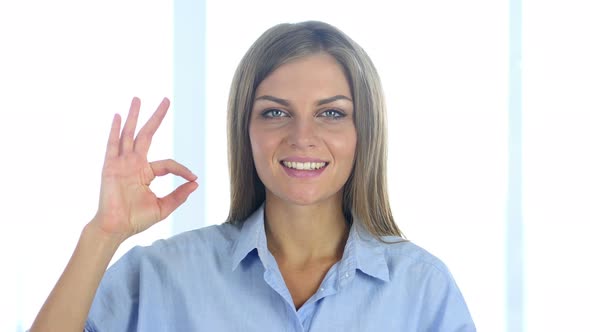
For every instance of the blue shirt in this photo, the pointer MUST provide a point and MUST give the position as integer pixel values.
(223, 278)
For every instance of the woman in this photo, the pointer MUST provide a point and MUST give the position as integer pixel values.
(310, 243)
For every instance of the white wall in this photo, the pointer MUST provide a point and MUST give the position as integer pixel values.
(65, 68)
(556, 164)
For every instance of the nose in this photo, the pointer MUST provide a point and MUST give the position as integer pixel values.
(303, 133)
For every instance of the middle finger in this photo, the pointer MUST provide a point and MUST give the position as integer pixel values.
(128, 133)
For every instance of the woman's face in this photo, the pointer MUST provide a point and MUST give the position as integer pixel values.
(302, 131)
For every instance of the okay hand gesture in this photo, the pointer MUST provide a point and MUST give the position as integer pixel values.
(127, 206)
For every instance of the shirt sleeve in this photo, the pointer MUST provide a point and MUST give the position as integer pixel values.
(446, 309)
(114, 307)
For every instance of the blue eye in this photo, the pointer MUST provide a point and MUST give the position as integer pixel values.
(274, 113)
(332, 113)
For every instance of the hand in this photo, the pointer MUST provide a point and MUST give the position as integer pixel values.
(127, 206)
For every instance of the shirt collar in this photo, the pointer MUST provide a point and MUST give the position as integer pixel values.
(252, 236)
(362, 251)
(367, 252)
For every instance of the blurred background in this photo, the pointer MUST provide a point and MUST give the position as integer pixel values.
(489, 112)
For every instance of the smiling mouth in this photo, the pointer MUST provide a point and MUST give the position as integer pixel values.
(306, 166)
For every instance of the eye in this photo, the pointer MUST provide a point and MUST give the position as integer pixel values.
(274, 113)
(332, 113)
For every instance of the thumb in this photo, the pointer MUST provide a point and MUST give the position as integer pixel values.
(172, 201)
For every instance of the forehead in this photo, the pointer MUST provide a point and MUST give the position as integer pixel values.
(314, 76)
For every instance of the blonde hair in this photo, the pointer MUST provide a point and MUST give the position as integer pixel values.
(365, 194)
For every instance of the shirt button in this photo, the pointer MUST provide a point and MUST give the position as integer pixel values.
(346, 275)
(322, 289)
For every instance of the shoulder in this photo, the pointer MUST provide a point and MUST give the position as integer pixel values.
(169, 260)
(427, 282)
(197, 245)
(396, 259)
(400, 262)
(146, 275)
(414, 266)
(210, 236)
(400, 253)
(215, 238)
(397, 255)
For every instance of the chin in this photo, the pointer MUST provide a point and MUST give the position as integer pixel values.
(305, 198)
(304, 201)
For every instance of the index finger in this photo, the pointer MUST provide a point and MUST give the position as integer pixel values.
(144, 137)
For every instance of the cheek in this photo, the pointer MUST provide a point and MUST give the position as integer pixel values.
(262, 146)
(346, 145)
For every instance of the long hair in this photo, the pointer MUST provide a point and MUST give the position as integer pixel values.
(365, 194)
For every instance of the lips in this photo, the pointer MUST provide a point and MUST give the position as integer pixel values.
(303, 167)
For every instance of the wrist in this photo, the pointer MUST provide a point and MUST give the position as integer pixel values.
(95, 234)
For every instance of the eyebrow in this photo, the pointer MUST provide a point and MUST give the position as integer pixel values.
(286, 103)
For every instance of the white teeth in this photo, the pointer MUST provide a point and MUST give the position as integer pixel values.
(307, 166)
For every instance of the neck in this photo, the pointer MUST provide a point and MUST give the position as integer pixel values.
(305, 234)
